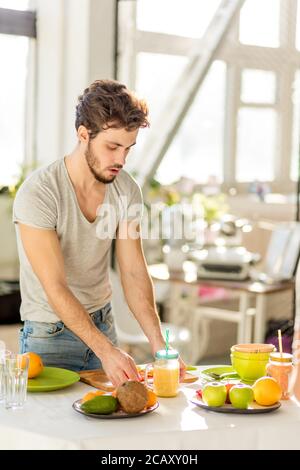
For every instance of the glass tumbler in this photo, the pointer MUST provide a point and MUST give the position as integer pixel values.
(4, 354)
(16, 377)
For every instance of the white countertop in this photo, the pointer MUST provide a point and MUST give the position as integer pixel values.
(48, 421)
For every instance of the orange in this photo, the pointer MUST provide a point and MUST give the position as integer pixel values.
(88, 396)
(267, 391)
(141, 370)
(152, 399)
(35, 364)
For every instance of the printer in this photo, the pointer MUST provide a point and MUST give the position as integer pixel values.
(224, 262)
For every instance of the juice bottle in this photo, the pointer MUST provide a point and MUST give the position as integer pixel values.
(166, 371)
(280, 367)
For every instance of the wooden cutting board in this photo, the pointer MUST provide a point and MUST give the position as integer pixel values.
(98, 379)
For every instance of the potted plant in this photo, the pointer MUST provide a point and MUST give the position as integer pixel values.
(9, 262)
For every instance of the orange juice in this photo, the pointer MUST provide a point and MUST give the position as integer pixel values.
(166, 379)
(166, 371)
(280, 367)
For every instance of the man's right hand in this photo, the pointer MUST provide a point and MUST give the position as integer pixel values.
(119, 366)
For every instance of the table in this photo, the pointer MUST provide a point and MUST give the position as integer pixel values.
(245, 289)
(10, 301)
(49, 422)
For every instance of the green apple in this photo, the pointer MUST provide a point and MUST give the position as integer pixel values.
(241, 395)
(214, 394)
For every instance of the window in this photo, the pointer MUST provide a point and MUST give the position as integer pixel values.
(296, 129)
(155, 78)
(14, 97)
(259, 23)
(14, 54)
(15, 4)
(298, 26)
(156, 75)
(256, 143)
(258, 86)
(242, 125)
(179, 17)
(256, 127)
(197, 149)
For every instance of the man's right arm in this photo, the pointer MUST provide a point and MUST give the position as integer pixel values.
(43, 251)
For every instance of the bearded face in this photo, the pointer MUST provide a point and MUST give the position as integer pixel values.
(106, 153)
(105, 175)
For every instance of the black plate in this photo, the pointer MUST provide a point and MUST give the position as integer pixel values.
(254, 408)
(116, 415)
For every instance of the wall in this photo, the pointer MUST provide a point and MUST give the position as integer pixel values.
(75, 46)
(9, 264)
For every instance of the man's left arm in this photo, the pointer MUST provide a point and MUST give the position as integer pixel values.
(137, 284)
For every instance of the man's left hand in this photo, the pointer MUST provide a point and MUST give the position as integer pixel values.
(182, 368)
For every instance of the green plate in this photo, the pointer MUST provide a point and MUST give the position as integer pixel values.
(189, 367)
(219, 372)
(52, 378)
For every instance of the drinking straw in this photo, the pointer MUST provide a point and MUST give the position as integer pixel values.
(167, 340)
(280, 342)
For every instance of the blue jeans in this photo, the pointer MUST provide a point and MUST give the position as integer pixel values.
(60, 347)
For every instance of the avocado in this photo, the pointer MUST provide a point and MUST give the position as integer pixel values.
(103, 405)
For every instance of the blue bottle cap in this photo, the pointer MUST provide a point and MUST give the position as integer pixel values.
(170, 354)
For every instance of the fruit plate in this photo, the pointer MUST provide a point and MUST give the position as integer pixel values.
(52, 378)
(116, 415)
(254, 408)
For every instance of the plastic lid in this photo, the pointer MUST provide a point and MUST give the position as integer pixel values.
(253, 348)
(170, 354)
(285, 357)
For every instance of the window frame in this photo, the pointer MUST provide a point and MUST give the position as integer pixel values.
(23, 23)
(237, 56)
(17, 22)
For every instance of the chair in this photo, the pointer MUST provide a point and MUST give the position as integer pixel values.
(280, 264)
(129, 332)
(202, 315)
(282, 254)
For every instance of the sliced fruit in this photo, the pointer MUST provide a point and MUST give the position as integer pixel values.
(228, 387)
(189, 367)
(152, 398)
(90, 395)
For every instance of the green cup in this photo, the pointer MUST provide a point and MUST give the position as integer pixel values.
(251, 356)
(249, 369)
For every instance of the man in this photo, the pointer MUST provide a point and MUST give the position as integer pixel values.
(60, 214)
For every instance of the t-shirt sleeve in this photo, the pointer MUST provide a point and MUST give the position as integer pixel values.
(134, 204)
(35, 205)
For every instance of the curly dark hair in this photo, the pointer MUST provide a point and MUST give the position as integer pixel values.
(108, 103)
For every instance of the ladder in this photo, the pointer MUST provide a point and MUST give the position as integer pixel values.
(165, 127)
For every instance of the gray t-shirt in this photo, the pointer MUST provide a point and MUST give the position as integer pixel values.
(47, 200)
